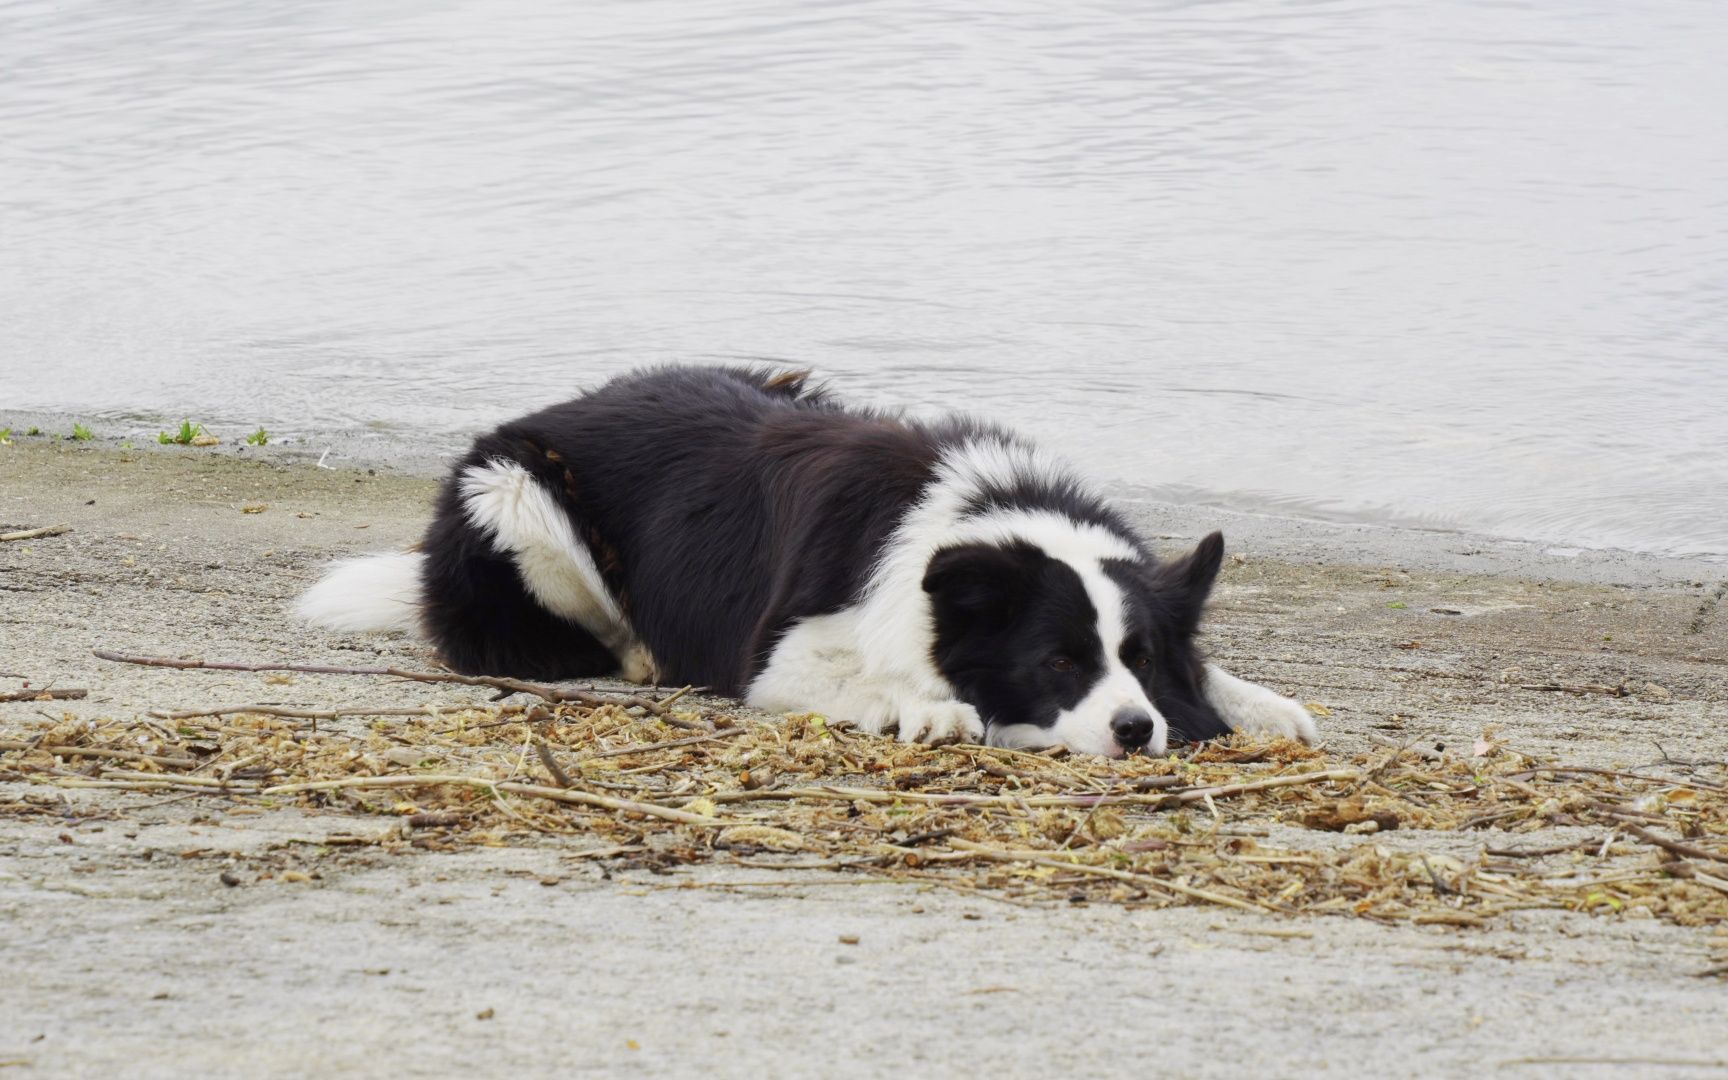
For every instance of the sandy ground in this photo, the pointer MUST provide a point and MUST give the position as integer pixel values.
(127, 955)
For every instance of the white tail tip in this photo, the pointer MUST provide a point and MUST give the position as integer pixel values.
(373, 592)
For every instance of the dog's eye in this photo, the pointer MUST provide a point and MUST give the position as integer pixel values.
(1140, 663)
(1060, 663)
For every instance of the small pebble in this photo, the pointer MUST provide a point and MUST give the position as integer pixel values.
(848, 939)
(230, 878)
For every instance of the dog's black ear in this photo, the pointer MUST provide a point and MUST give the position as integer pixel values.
(1189, 580)
(977, 580)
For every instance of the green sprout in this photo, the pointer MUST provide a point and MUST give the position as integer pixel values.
(188, 431)
(80, 433)
(258, 438)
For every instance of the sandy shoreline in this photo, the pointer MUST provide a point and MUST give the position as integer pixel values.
(428, 454)
(1423, 638)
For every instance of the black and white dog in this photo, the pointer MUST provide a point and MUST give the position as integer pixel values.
(740, 530)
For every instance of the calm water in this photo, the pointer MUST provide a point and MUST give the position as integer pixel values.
(1457, 264)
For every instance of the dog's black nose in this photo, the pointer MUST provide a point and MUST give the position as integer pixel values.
(1132, 728)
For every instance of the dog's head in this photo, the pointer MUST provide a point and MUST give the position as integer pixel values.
(1097, 656)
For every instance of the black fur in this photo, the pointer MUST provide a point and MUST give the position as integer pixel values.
(1002, 614)
(723, 504)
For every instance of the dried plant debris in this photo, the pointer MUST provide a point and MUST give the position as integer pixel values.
(1393, 835)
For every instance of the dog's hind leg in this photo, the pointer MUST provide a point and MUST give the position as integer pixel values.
(1252, 708)
(511, 590)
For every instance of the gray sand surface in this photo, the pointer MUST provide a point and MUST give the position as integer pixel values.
(127, 956)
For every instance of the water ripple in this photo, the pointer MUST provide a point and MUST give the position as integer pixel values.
(1460, 263)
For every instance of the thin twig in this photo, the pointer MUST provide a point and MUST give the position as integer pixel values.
(1409, 746)
(644, 747)
(585, 798)
(193, 781)
(1583, 688)
(1535, 853)
(666, 702)
(1030, 802)
(1198, 794)
(1148, 783)
(99, 752)
(32, 534)
(924, 837)
(1672, 845)
(166, 782)
(326, 714)
(561, 777)
(68, 694)
(878, 795)
(508, 686)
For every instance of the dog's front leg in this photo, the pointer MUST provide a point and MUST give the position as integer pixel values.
(872, 705)
(934, 721)
(817, 667)
(1251, 708)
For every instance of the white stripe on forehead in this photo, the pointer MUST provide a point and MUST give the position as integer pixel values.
(1111, 605)
(1087, 726)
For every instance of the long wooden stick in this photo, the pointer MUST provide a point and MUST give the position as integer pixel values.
(509, 686)
(99, 752)
(622, 751)
(32, 534)
(877, 795)
(327, 714)
(210, 782)
(1585, 688)
(45, 694)
(1201, 794)
(166, 782)
(567, 795)
(1675, 846)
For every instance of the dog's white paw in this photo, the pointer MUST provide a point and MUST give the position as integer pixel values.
(940, 721)
(1273, 715)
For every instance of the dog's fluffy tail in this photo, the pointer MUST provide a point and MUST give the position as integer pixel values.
(373, 592)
